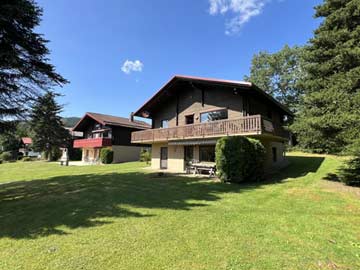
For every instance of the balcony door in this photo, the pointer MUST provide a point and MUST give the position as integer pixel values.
(163, 158)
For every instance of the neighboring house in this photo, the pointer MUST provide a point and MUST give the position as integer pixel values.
(74, 134)
(25, 148)
(189, 114)
(100, 130)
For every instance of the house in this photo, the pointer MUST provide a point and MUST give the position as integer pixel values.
(100, 130)
(74, 134)
(25, 144)
(189, 114)
(25, 149)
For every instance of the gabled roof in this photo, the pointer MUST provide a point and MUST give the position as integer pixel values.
(111, 120)
(26, 140)
(209, 81)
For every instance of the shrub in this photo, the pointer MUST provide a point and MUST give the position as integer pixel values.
(1, 161)
(145, 156)
(106, 155)
(239, 159)
(6, 156)
(56, 154)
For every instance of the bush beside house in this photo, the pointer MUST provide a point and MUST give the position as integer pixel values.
(106, 155)
(239, 159)
(145, 156)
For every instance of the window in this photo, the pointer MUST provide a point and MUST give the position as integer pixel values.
(213, 116)
(188, 153)
(274, 154)
(207, 153)
(189, 119)
(164, 123)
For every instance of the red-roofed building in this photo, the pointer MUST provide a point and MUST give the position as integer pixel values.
(25, 148)
(26, 141)
(100, 131)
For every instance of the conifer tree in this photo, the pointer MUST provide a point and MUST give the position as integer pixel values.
(329, 118)
(25, 71)
(48, 133)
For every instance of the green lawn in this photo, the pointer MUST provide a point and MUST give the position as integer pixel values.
(124, 217)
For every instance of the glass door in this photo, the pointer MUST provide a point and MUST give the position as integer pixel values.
(163, 157)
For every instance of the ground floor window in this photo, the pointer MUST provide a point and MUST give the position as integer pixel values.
(207, 153)
(188, 153)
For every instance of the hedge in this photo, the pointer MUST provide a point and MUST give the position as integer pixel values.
(239, 159)
(6, 156)
(145, 156)
(106, 155)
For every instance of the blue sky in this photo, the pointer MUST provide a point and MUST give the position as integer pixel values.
(117, 53)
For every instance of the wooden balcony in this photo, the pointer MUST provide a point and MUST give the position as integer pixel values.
(249, 125)
(92, 143)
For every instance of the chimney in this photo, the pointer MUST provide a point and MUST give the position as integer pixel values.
(131, 117)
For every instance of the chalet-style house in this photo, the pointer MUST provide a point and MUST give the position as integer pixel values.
(100, 130)
(25, 149)
(189, 114)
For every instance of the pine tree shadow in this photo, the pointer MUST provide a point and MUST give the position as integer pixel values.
(299, 166)
(36, 208)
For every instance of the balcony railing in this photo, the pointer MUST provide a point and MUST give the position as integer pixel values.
(92, 143)
(248, 125)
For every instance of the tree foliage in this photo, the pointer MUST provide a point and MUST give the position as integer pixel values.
(329, 118)
(9, 141)
(25, 71)
(280, 74)
(239, 159)
(48, 132)
(106, 155)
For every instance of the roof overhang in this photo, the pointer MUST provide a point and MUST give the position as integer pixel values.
(82, 122)
(152, 103)
(91, 116)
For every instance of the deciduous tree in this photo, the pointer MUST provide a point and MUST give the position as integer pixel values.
(280, 74)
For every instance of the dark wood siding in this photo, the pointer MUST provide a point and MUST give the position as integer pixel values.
(122, 136)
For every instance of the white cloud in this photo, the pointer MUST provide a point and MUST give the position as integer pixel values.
(243, 11)
(132, 66)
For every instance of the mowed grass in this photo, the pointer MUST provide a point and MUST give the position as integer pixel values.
(124, 217)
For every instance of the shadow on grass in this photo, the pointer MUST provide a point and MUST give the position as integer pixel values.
(299, 166)
(37, 208)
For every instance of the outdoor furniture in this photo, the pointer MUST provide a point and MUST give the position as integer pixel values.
(190, 166)
(209, 167)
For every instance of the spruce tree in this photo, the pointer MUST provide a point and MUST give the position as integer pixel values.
(48, 133)
(25, 71)
(329, 119)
